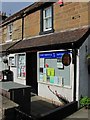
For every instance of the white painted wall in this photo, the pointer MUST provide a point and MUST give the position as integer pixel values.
(14, 69)
(3, 66)
(46, 93)
(84, 77)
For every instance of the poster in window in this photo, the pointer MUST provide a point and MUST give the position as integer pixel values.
(41, 77)
(12, 61)
(50, 72)
(59, 64)
(41, 62)
(51, 79)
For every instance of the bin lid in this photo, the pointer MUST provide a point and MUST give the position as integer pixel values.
(9, 85)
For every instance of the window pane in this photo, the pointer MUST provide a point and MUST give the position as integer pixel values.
(10, 28)
(48, 12)
(48, 23)
(9, 32)
(10, 36)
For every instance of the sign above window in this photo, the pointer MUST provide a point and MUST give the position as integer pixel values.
(53, 54)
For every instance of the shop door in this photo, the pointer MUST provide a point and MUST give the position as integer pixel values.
(31, 71)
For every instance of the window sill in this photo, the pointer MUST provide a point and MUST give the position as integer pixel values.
(7, 41)
(46, 32)
(52, 84)
(21, 78)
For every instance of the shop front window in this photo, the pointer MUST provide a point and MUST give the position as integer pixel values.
(51, 69)
(21, 72)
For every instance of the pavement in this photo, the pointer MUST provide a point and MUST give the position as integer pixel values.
(81, 114)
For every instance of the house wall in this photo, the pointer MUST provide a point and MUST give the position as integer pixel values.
(32, 24)
(17, 30)
(3, 66)
(46, 93)
(0, 37)
(84, 77)
(4, 34)
(16, 34)
(71, 15)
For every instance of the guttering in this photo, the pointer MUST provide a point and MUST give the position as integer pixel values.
(23, 12)
(30, 9)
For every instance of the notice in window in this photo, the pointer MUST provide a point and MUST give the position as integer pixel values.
(41, 62)
(59, 64)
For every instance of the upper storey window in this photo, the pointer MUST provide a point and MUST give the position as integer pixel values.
(9, 32)
(47, 19)
(46, 24)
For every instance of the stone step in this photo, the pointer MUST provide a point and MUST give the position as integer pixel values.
(7, 108)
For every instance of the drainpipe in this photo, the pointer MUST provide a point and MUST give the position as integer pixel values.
(74, 56)
(22, 26)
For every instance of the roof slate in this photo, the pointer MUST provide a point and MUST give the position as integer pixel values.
(6, 46)
(76, 36)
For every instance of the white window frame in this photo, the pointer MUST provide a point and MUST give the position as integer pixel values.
(9, 32)
(22, 77)
(47, 17)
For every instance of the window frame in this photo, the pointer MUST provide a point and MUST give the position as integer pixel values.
(9, 32)
(42, 30)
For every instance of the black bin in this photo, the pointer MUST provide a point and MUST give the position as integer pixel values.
(7, 75)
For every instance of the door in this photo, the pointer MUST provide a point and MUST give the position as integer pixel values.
(31, 71)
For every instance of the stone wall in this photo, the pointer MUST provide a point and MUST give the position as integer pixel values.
(71, 15)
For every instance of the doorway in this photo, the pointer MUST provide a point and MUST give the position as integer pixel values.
(31, 71)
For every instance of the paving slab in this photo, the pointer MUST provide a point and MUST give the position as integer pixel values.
(81, 114)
